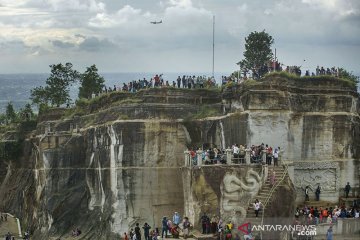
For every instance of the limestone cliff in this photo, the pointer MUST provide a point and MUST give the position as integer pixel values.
(118, 159)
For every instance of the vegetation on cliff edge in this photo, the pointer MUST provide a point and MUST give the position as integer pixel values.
(349, 81)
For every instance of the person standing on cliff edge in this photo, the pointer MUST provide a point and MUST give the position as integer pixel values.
(307, 193)
(317, 192)
(347, 190)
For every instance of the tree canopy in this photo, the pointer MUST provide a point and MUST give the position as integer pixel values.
(348, 75)
(257, 53)
(56, 91)
(91, 82)
(26, 113)
(10, 113)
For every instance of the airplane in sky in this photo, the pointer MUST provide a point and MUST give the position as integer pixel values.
(156, 22)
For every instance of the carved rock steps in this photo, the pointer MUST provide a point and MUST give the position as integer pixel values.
(263, 194)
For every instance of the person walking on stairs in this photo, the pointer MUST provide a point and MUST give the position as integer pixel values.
(257, 206)
(272, 177)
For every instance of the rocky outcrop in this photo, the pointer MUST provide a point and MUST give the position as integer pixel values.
(118, 160)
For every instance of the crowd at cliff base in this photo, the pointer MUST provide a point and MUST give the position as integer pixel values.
(330, 215)
(177, 226)
(169, 228)
(314, 216)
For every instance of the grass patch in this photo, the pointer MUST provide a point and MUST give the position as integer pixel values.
(250, 82)
(205, 89)
(204, 112)
(307, 79)
(127, 101)
(85, 106)
(8, 127)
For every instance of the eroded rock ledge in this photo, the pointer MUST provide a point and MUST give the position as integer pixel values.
(118, 159)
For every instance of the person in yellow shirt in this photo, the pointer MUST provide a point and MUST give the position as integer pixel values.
(230, 225)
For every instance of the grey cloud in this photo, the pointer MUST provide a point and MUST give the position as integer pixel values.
(299, 27)
(93, 44)
(61, 44)
(80, 36)
(16, 44)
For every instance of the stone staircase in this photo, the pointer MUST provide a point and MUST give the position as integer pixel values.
(262, 196)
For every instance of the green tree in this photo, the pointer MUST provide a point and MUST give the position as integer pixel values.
(2, 119)
(257, 53)
(40, 95)
(348, 75)
(91, 82)
(27, 113)
(56, 91)
(59, 82)
(10, 113)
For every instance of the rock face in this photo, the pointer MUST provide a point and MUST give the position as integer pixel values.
(221, 191)
(121, 160)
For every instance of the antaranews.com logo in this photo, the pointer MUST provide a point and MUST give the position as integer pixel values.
(303, 230)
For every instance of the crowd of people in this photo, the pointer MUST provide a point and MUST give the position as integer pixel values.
(314, 215)
(169, 227)
(334, 71)
(209, 155)
(215, 155)
(189, 82)
(173, 227)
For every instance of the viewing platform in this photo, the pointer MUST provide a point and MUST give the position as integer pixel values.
(197, 158)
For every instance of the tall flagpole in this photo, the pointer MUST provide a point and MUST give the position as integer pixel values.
(213, 59)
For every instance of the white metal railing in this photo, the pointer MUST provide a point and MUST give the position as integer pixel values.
(225, 157)
(272, 190)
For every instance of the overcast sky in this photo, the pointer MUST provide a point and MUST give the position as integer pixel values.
(117, 36)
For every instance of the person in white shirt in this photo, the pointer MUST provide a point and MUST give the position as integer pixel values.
(356, 213)
(276, 156)
(236, 152)
(257, 206)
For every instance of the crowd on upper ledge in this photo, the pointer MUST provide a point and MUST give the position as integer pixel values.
(193, 82)
(158, 81)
